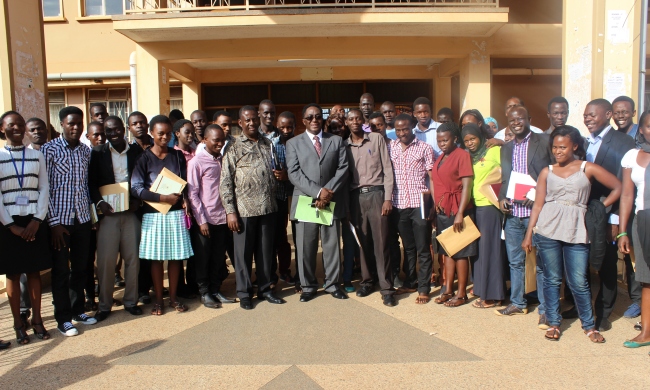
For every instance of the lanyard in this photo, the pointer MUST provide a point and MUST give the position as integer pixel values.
(19, 176)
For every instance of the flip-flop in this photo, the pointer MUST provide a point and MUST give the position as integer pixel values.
(594, 331)
(457, 301)
(554, 331)
(442, 298)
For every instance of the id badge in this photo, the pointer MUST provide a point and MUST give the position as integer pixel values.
(22, 201)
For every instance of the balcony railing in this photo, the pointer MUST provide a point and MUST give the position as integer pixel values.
(164, 6)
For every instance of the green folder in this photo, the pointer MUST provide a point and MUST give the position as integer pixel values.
(305, 212)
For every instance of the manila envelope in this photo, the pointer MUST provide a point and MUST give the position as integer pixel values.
(452, 242)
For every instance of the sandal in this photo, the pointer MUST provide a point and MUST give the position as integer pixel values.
(422, 299)
(553, 333)
(157, 310)
(44, 335)
(481, 304)
(178, 306)
(595, 339)
(456, 301)
(442, 298)
(405, 290)
(22, 337)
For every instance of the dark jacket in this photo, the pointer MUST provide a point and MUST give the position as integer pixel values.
(612, 149)
(539, 157)
(100, 172)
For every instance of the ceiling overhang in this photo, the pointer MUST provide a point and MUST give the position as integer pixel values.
(222, 25)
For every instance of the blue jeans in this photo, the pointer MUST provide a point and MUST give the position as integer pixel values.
(350, 251)
(571, 259)
(515, 231)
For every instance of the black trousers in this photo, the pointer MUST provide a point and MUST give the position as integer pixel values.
(145, 283)
(606, 297)
(210, 258)
(282, 248)
(69, 272)
(416, 236)
(90, 267)
(255, 238)
(372, 229)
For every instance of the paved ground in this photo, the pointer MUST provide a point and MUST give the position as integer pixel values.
(326, 343)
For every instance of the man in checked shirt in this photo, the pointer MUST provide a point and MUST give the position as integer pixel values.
(412, 160)
(67, 162)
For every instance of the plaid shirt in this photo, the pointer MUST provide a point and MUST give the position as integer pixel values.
(67, 170)
(410, 167)
(520, 164)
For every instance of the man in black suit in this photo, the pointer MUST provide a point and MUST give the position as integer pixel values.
(119, 230)
(528, 154)
(606, 147)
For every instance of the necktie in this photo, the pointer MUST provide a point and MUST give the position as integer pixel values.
(317, 145)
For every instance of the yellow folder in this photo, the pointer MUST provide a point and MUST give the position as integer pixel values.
(166, 183)
(116, 195)
(452, 242)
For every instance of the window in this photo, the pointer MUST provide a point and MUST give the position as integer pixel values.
(105, 7)
(51, 8)
(56, 103)
(116, 100)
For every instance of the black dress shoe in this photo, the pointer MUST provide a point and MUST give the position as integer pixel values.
(364, 291)
(5, 344)
(307, 296)
(224, 299)
(338, 294)
(271, 298)
(389, 300)
(208, 301)
(246, 304)
(603, 324)
(570, 314)
(134, 310)
(102, 315)
(144, 298)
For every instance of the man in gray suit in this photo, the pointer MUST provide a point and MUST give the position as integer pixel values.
(318, 168)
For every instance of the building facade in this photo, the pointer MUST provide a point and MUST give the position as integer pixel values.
(221, 54)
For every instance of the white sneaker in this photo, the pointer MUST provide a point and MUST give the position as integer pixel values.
(84, 319)
(67, 329)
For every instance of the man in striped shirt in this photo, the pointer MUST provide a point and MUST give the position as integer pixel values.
(412, 161)
(69, 217)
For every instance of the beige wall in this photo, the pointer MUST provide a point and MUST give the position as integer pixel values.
(79, 44)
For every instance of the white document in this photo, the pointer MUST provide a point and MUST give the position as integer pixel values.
(518, 178)
(354, 233)
(116, 201)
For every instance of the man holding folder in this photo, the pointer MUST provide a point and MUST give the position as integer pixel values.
(318, 168)
(111, 166)
(527, 154)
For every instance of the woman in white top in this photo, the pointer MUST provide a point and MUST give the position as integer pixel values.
(24, 238)
(634, 165)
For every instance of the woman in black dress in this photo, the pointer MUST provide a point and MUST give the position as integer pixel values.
(23, 235)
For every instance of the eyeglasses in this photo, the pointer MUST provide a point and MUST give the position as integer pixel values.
(312, 117)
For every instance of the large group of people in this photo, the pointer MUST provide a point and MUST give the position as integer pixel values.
(384, 178)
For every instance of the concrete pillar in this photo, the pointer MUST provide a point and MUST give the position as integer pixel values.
(578, 46)
(476, 80)
(152, 84)
(23, 86)
(599, 51)
(191, 97)
(621, 50)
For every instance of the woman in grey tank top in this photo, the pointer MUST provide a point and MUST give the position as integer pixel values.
(558, 223)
